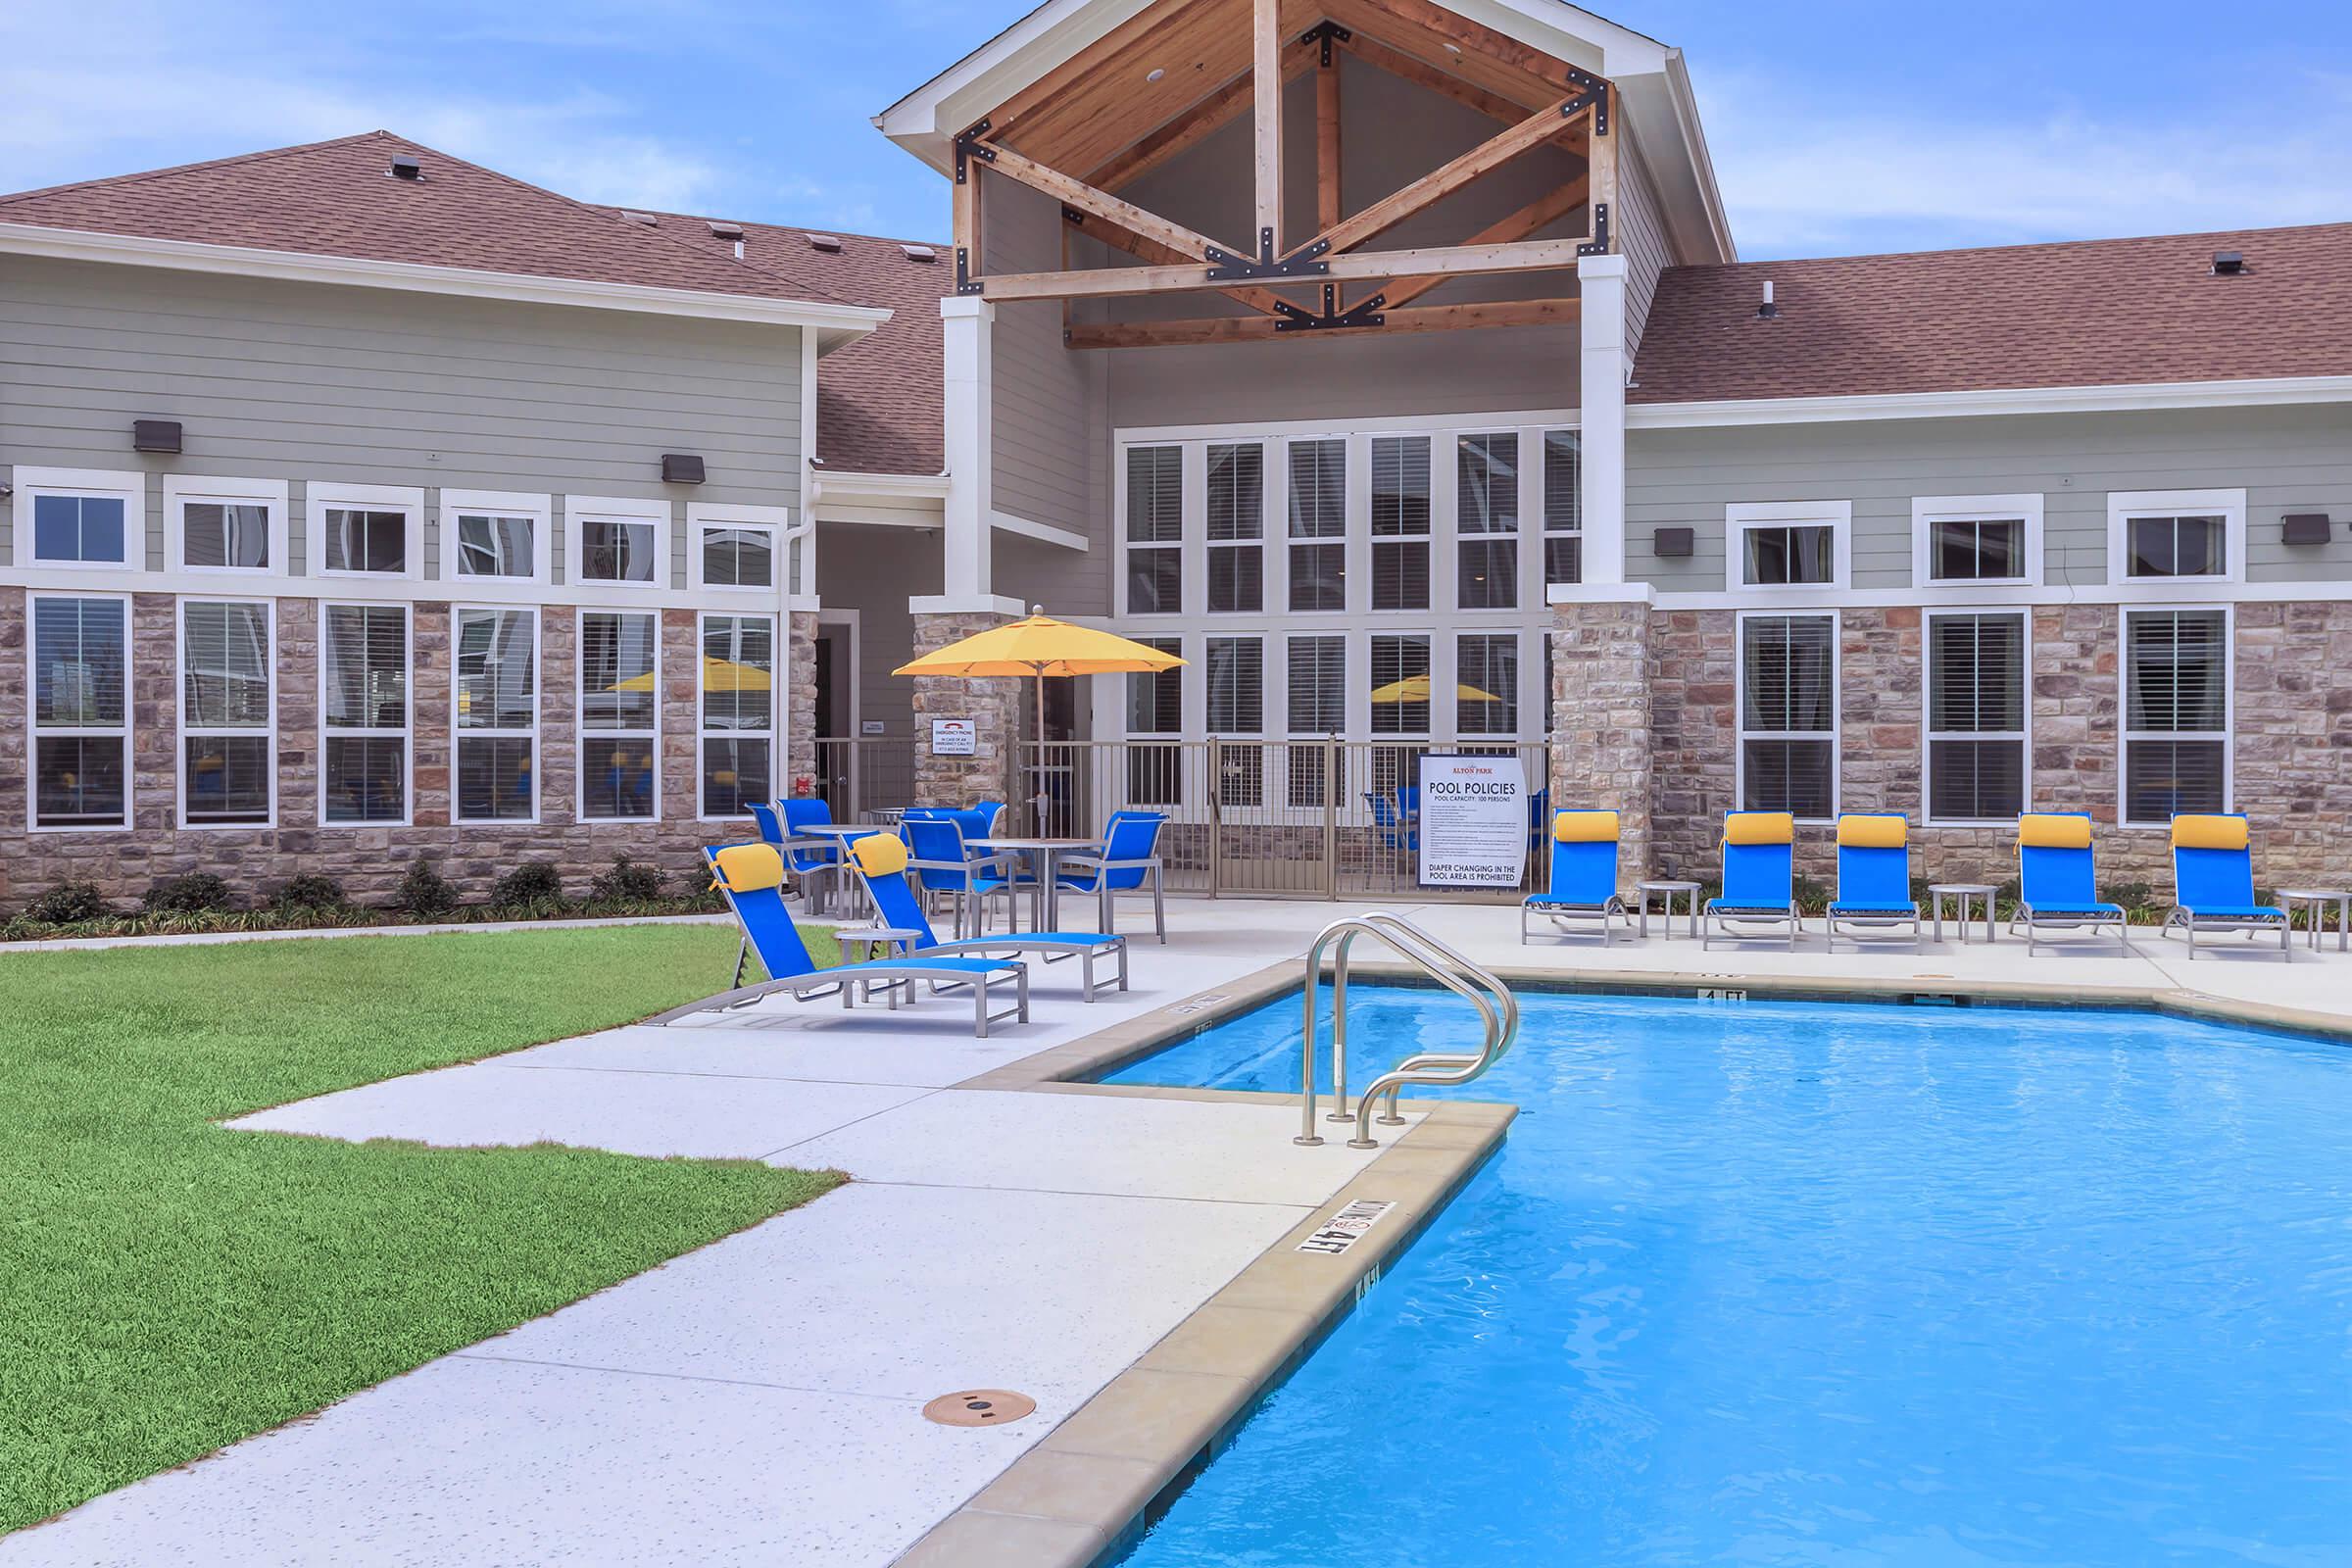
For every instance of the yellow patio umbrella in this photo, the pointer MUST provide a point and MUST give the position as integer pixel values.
(1038, 646)
(1418, 689)
(719, 675)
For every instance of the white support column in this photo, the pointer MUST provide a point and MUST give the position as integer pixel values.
(970, 324)
(1601, 283)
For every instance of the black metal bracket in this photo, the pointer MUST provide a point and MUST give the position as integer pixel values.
(1363, 312)
(1326, 33)
(1598, 102)
(1598, 244)
(969, 146)
(965, 283)
(1226, 268)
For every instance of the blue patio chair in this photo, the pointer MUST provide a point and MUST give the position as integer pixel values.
(813, 862)
(1129, 863)
(882, 865)
(1874, 878)
(1537, 816)
(1398, 833)
(2213, 882)
(1759, 880)
(1583, 885)
(2057, 882)
(752, 878)
(942, 866)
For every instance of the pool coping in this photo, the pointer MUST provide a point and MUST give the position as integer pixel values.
(1090, 1487)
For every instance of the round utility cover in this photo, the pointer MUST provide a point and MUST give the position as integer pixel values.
(979, 1408)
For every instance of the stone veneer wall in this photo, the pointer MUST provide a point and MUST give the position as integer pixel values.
(1603, 756)
(994, 707)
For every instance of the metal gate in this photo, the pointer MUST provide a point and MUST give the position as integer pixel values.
(1298, 818)
(858, 775)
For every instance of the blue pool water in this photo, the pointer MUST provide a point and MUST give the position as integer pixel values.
(1827, 1285)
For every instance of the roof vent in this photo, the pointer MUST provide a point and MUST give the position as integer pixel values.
(830, 244)
(647, 219)
(2230, 263)
(919, 253)
(721, 229)
(405, 166)
(1768, 311)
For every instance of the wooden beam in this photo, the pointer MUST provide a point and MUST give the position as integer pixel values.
(1179, 277)
(1396, 62)
(1188, 129)
(1601, 160)
(1265, 89)
(1498, 47)
(1156, 18)
(1433, 187)
(1257, 299)
(1328, 210)
(1518, 225)
(1101, 204)
(1261, 328)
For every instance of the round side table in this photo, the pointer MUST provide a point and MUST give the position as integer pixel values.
(1667, 893)
(2318, 898)
(1960, 894)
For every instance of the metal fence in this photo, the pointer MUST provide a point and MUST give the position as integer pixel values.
(1298, 818)
(857, 775)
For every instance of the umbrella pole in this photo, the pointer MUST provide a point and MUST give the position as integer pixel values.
(1036, 809)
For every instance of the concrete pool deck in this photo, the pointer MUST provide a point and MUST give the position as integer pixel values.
(1127, 1258)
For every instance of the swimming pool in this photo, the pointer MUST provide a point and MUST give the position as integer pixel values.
(1825, 1284)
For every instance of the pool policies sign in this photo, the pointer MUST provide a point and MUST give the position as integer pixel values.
(1473, 821)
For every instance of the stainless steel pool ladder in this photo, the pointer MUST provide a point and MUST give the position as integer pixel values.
(1498, 1009)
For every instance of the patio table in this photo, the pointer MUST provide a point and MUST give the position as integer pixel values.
(2320, 898)
(842, 833)
(1045, 856)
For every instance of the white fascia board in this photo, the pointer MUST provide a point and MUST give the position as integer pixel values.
(884, 486)
(928, 119)
(835, 322)
(2245, 394)
(1043, 532)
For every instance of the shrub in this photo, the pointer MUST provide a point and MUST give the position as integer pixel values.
(424, 892)
(309, 893)
(68, 903)
(628, 883)
(197, 893)
(532, 882)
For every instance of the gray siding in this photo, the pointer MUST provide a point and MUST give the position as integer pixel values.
(874, 571)
(1639, 229)
(1047, 404)
(2287, 460)
(366, 386)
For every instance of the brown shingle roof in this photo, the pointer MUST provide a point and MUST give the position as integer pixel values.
(337, 198)
(2098, 313)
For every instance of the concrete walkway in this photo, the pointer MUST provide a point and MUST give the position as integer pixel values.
(759, 1401)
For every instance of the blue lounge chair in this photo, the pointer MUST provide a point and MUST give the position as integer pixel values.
(1874, 878)
(815, 862)
(1583, 885)
(942, 865)
(1129, 863)
(1759, 880)
(882, 865)
(751, 877)
(2212, 883)
(2057, 887)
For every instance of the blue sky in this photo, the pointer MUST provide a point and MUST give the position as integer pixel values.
(1836, 126)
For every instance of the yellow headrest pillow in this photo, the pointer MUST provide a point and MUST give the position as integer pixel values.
(749, 867)
(1585, 827)
(2209, 833)
(1872, 830)
(2048, 830)
(1759, 828)
(879, 853)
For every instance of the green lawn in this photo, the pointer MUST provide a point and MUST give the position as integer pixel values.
(167, 1287)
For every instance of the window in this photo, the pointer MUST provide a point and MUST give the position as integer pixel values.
(736, 547)
(364, 706)
(1154, 530)
(1788, 714)
(616, 539)
(1319, 707)
(81, 713)
(489, 534)
(223, 525)
(1399, 685)
(621, 707)
(1977, 539)
(1486, 669)
(2171, 536)
(2175, 713)
(1400, 523)
(1237, 706)
(1975, 718)
(1318, 524)
(1563, 507)
(1488, 520)
(226, 759)
(80, 518)
(738, 714)
(1788, 544)
(366, 530)
(1156, 707)
(1237, 504)
(496, 715)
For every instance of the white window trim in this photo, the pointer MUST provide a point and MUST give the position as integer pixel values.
(774, 521)
(1927, 511)
(184, 733)
(320, 496)
(1742, 734)
(535, 506)
(1186, 544)
(1354, 538)
(2125, 505)
(457, 615)
(580, 510)
(1209, 547)
(131, 488)
(1518, 662)
(406, 734)
(777, 656)
(1741, 515)
(1930, 735)
(1441, 690)
(2125, 736)
(1517, 534)
(34, 732)
(582, 734)
(182, 489)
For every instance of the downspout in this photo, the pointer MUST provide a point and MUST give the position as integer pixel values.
(787, 578)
